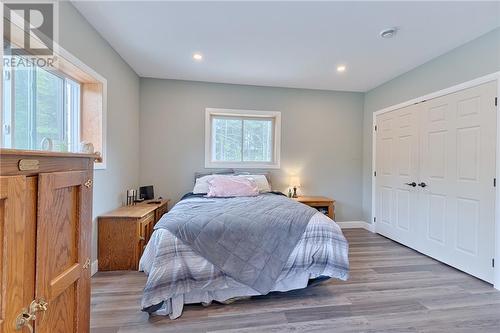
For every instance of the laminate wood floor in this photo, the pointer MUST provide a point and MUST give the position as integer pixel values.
(392, 289)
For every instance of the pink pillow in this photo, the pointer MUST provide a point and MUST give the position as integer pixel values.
(231, 186)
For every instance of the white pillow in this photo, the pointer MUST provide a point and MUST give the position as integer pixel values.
(201, 184)
(260, 180)
(230, 186)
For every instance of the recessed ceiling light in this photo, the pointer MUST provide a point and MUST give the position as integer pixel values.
(341, 68)
(388, 33)
(197, 56)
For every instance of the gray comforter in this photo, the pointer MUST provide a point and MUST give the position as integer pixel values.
(248, 239)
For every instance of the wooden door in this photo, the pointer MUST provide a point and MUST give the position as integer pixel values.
(458, 136)
(12, 251)
(397, 174)
(63, 251)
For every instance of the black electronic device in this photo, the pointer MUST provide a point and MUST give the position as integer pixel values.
(146, 192)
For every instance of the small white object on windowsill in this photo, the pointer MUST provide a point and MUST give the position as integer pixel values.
(46, 144)
(86, 147)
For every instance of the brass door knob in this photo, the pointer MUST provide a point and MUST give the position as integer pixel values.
(28, 315)
(88, 183)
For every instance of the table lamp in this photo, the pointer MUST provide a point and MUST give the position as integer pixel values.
(294, 182)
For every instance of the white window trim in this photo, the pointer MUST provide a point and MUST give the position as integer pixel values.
(275, 164)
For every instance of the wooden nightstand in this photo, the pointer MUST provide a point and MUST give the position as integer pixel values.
(323, 204)
(124, 232)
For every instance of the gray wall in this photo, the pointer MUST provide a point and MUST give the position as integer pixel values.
(321, 136)
(469, 61)
(80, 39)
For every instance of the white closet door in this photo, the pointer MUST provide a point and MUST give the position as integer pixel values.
(457, 165)
(397, 174)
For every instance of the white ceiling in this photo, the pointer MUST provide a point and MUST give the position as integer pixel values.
(286, 44)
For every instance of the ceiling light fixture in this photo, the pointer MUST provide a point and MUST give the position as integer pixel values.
(197, 56)
(388, 33)
(341, 68)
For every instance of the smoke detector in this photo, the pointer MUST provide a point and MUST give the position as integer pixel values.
(388, 33)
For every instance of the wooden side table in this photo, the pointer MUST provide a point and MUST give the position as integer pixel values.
(322, 204)
(124, 233)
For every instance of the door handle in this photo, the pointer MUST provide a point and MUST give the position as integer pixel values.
(29, 315)
(422, 184)
(412, 184)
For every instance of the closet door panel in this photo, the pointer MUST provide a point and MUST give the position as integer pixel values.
(406, 173)
(476, 166)
(458, 136)
(63, 253)
(436, 171)
(397, 173)
(385, 167)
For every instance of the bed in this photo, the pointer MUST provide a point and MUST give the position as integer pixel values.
(221, 249)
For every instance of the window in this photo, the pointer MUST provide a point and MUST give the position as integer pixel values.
(41, 110)
(242, 138)
(53, 107)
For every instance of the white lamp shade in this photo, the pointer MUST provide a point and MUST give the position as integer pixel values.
(294, 181)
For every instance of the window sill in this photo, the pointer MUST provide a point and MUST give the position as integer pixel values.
(242, 165)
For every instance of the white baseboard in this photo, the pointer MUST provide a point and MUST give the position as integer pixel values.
(94, 267)
(357, 224)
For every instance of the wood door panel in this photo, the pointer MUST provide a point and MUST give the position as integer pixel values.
(63, 252)
(61, 313)
(83, 291)
(30, 238)
(65, 227)
(12, 251)
(64, 280)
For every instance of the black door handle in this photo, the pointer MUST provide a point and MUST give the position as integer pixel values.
(422, 184)
(413, 184)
